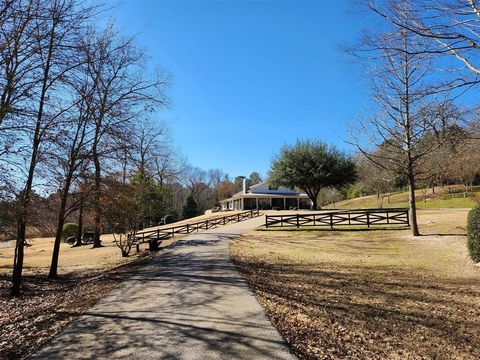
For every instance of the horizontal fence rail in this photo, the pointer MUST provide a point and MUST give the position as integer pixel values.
(153, 236)
(345, 217)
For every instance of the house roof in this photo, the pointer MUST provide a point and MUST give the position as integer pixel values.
(256, 191)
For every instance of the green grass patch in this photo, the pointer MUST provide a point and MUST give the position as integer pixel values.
(400, 200)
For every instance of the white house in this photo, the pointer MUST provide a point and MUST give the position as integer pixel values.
(266, 196)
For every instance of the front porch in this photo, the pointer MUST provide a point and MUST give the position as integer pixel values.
(266, 203)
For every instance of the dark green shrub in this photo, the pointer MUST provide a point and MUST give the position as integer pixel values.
(170, 218)
(473, 229)
(69, 230)
(190, 208)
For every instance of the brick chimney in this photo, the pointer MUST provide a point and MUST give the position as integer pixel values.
(246, 185)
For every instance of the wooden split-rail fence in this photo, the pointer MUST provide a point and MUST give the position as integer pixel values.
(155, 237)
(343, 217)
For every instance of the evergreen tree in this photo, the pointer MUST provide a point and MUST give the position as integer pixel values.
(190, 209)
(312, 166)
(255, 178)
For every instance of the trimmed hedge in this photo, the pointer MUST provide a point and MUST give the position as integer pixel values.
(69, 229)
(473, 230)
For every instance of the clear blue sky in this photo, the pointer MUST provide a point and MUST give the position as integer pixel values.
(250, 76)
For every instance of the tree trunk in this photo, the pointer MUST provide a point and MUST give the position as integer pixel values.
(97, 208)
(412, 205)
(80, 223)
(60, 222)
(18, 259)
(314, 202)
(22, 220)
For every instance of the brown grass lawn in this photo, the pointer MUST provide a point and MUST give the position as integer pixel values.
(38, 255)
(378, 294)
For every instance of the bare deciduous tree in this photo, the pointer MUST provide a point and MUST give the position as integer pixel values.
(72, 151)
(123, 94)
(409, 108)
(378, 179)
(56, 37)
(122, 213)
(451, 26)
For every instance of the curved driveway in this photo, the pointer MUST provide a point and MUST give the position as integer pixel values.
(190, 302)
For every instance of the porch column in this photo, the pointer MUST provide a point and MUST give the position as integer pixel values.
(284, 203)
(298, 203)
(256, 200)
(270, 202)
(242, 204)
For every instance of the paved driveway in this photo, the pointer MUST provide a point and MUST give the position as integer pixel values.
(188, 303)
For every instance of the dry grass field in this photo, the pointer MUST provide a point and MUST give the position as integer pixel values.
(84, 258)
(379, 294)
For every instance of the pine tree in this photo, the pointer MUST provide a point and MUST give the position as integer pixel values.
(190, 209)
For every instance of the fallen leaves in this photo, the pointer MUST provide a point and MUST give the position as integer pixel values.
(330, 310)
(47, 306)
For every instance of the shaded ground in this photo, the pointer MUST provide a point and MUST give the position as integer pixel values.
(369, 294)
(47, 306)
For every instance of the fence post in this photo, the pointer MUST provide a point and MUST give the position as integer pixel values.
(408, 218)
(368, 218)
(188, 228)
(266, 221)
(298, 221)
(331, 221)
(158, 233)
